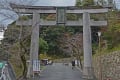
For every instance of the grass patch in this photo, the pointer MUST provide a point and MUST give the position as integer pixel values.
(106, 51)
(42, 67)
(17, 68)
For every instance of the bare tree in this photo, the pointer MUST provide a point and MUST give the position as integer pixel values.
(72, 44)
(77, 46)
(5, 7)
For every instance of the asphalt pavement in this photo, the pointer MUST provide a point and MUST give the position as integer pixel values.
(58, 71)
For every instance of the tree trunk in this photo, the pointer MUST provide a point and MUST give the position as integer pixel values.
(80, 62)
(79, 58)
(23, 59)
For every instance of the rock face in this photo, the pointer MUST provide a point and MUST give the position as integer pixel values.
(107, 67)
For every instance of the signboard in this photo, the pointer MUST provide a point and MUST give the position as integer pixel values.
(36, 66)
(61, 15)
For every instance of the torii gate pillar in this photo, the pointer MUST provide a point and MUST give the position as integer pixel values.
(88, 69)
(34, 48)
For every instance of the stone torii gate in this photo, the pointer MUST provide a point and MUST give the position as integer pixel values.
(88, 72)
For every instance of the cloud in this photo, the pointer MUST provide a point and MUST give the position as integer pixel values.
(6, 16)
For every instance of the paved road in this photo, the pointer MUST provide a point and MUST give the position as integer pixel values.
(58, 71)
(11, 72)
(6, 72)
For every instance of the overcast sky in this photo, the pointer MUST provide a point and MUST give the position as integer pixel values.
(36, 3)
(56, 2)
(118, 3)
(41, 3)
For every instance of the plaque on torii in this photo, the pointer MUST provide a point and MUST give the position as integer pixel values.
(60, 16)
(61, 19)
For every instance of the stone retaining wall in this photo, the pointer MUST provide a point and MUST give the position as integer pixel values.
(107, 67)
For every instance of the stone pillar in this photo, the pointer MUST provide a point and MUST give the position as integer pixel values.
(88, 69)
(34, 48)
